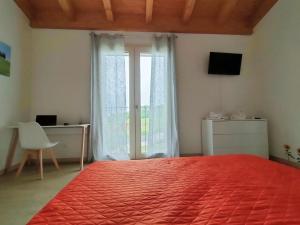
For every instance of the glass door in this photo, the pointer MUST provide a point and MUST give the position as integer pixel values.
(147, 136)
(134, 117)
(139, 79)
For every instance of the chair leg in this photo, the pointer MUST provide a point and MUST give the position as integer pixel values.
(37, 164)
(23, 161)
(41, 163)
(54, 159)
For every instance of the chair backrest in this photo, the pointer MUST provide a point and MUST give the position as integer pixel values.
(32, 136)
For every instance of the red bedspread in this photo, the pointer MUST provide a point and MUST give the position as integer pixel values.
(198, 190)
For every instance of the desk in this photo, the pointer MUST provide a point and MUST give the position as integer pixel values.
(15, 136)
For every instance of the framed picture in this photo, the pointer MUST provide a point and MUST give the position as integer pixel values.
(5, 59)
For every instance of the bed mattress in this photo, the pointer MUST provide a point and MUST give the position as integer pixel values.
(213, 190)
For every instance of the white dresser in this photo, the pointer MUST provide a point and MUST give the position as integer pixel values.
(220, 137)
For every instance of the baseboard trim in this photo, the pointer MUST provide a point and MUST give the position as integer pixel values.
(191, 155)
(284, 161)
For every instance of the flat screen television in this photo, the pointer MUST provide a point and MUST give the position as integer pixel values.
(224, 63)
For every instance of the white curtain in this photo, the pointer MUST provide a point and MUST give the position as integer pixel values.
(162, 138)
(109, 139)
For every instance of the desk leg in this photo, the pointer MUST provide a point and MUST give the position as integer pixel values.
(12, 149)
(88, 144)
(82, 147)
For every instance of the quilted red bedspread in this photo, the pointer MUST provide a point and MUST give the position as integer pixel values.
(197, 190)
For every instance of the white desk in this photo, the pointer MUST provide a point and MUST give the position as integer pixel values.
(15, 136)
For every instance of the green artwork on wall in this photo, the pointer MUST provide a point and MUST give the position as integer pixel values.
(5, 58)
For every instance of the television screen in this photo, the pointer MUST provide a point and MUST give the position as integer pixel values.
(224, 63)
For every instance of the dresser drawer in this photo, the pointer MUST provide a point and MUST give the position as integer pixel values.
(238, 127)
(239, 140)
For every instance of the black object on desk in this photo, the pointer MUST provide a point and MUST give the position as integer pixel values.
(46, 120)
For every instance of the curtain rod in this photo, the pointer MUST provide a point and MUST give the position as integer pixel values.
(136, 35)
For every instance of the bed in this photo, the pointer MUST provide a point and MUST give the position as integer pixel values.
(213, 190)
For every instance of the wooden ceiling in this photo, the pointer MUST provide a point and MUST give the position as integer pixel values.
(180, 16)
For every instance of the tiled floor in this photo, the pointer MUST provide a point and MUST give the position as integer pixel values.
(22, 197)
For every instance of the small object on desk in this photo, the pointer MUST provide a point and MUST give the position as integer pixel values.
(66, 124)
(46, 120)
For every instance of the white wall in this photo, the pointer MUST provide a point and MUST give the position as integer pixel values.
(14, 90)
(61, 80)
(276, 42)
(200, 93)
(60, 83)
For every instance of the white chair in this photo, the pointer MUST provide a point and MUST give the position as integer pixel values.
(34, 141)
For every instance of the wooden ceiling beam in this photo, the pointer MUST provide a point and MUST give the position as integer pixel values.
(68, 8)
(136, 23)
(149, 11)
(226, 10)
(199, 15)
(261, 11)
(27, 8)
(108, 10)
(188, 10)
